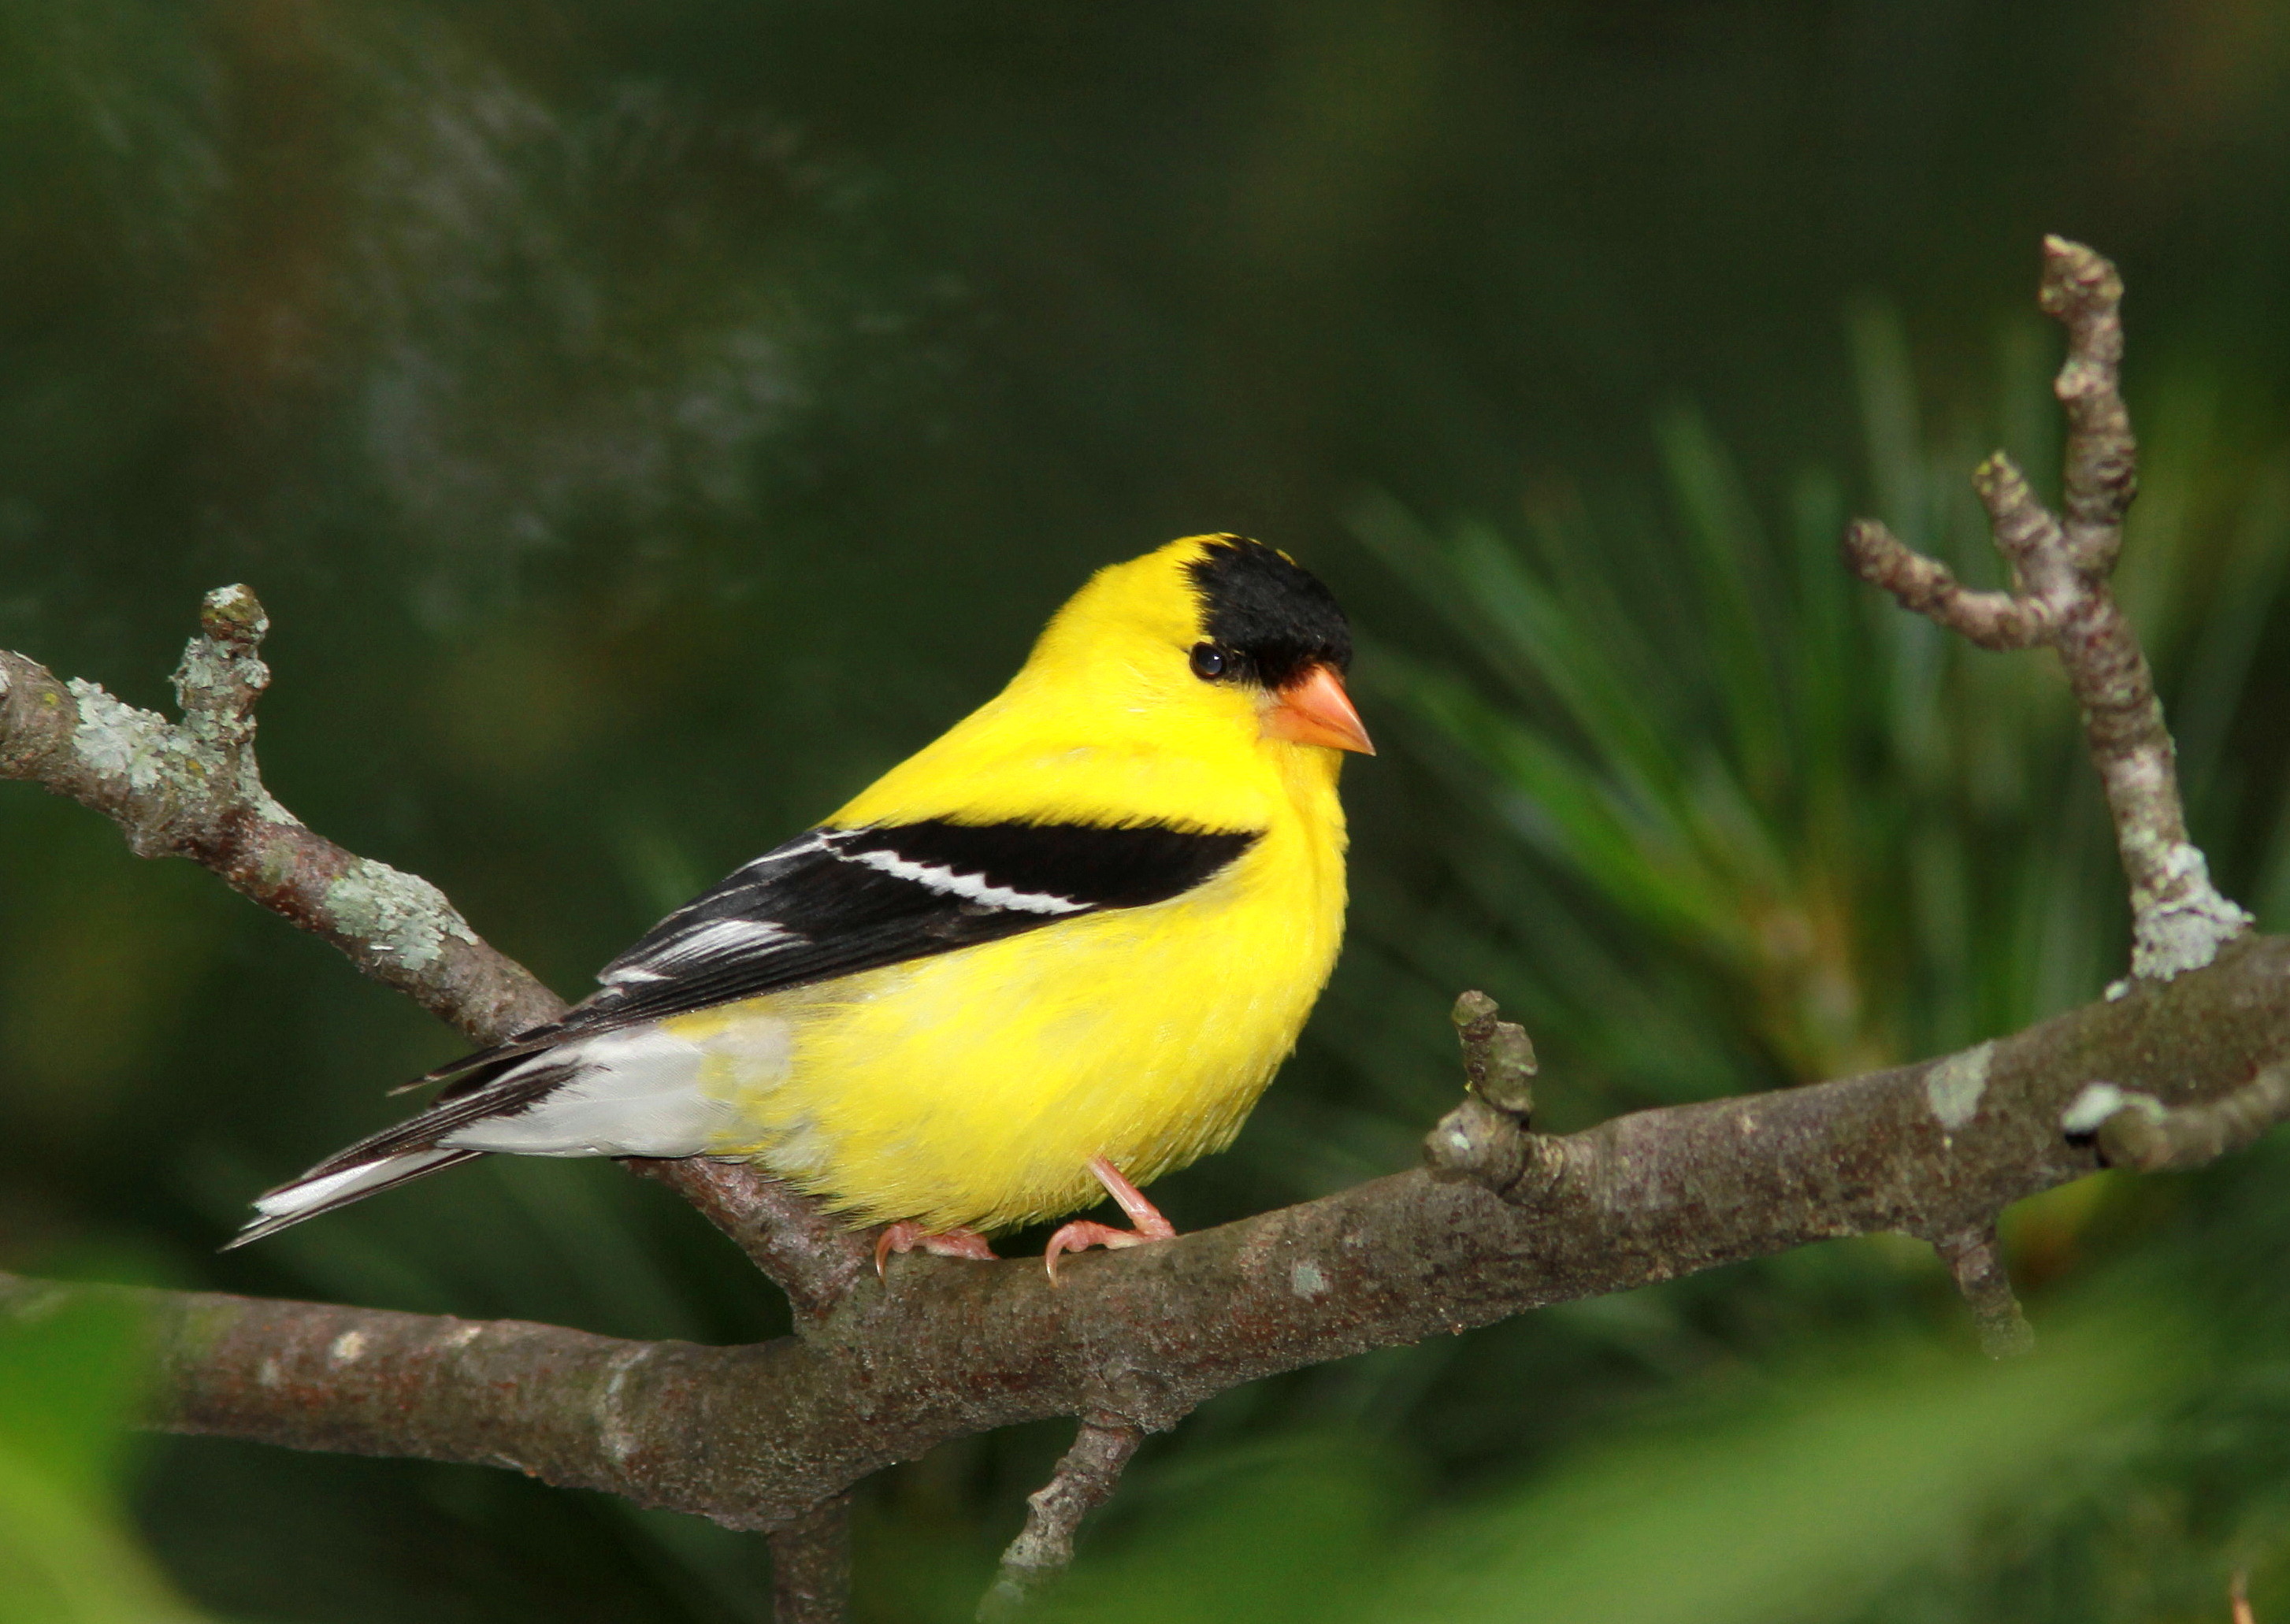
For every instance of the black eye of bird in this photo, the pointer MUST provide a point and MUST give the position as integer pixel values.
(1208, 661)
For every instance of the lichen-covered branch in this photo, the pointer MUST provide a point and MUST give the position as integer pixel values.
(2061, 597)
(757, 1438)
(191, 789)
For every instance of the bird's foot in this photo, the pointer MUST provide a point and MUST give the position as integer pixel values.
(1082, 1235)
(907, 1235)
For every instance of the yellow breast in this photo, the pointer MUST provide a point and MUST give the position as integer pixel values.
(973, 1088)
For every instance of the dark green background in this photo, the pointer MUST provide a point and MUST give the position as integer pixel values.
(646, 422)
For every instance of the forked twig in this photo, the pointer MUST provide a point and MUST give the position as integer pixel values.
(2060, 597)
(192, 788)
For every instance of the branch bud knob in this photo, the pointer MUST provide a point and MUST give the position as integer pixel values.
(1499, 1060)
(234, 618)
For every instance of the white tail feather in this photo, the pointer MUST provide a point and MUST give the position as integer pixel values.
(292, 1203)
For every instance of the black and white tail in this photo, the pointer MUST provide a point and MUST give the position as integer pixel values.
(514, 1075)
(619, 1093)
(322, 1191)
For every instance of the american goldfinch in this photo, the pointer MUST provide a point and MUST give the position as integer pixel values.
(1064, 947)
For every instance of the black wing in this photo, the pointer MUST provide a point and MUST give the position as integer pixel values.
(837, 901)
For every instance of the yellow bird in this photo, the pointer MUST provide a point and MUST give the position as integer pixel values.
(1064, 947)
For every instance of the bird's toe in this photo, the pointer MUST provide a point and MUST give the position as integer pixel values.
(907, 1235)
(1083, 1235)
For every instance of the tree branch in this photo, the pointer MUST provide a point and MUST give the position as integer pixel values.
(192, 790)
(811, 1564)
(1975, 1261)
(1085, 1480)
(756, 1437)
(804, 1249)
(2060, 597)
(2137, 1130)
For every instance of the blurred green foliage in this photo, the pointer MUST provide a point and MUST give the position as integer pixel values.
(67, 1555)
(1768, 1509)
(1875, 840)
(645, 422)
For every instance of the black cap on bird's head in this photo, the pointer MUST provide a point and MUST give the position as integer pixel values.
(1267, 622)
(1266, 613)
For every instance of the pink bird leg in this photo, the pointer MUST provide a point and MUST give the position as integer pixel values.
(1082, 1234)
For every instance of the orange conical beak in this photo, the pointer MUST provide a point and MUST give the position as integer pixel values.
(1315, 710)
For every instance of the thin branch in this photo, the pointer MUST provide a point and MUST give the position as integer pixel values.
(1992, 619)
(800, 1246)
(1485, 1139)
(2082, 291)
(756, 1437)
(1975, 1260)
(811, 1564)
(1085, 1480)
(1499, 1063)
(2061, 597)
(192, 790)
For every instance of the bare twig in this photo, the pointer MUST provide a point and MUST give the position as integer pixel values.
(2061, 597)
(1992, 619)
(2237, 1597)
(1085, 1480)
(1499, 1063)
(1485, 1139)
(192, 790)
(811, 1564)
(1976, 1258)
(804, 1249)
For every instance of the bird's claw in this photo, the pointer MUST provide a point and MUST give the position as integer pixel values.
(1081, 1236)
(907, 1235)
(1083, 1233)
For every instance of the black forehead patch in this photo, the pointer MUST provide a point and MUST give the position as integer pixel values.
(1268, 610)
